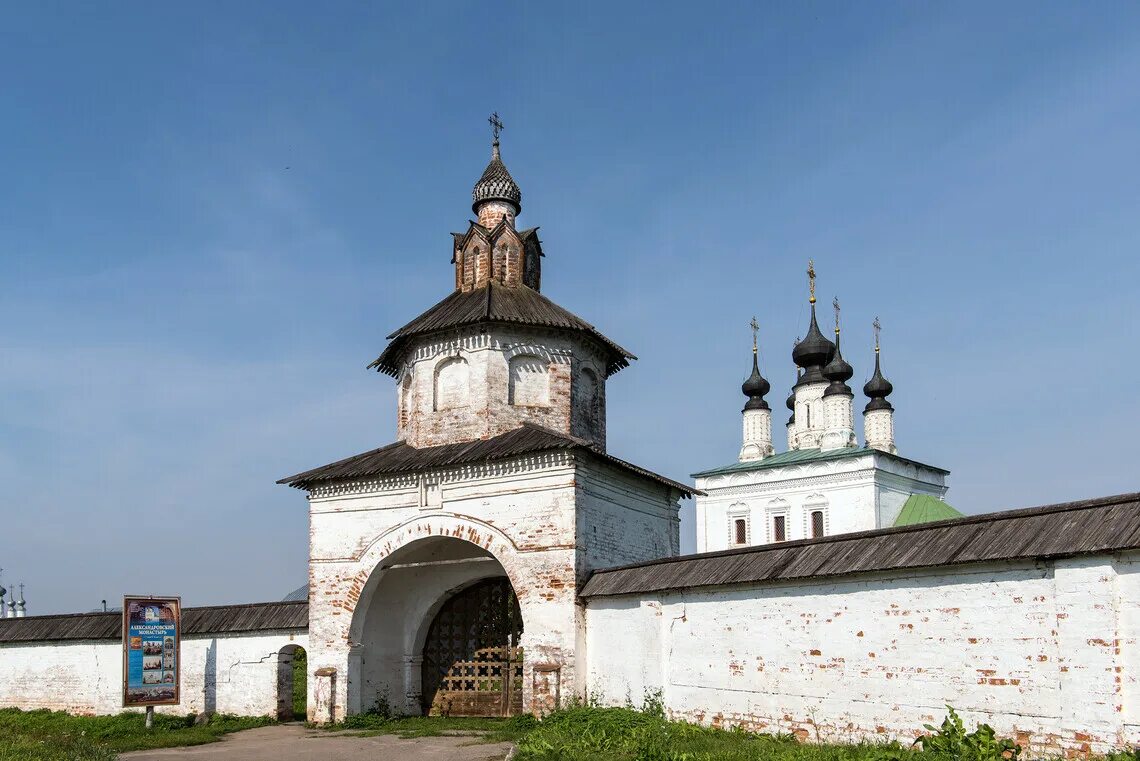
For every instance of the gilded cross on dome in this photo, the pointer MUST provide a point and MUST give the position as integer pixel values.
(811, 279)
(755, 329)
(877, 327)
(835, 305)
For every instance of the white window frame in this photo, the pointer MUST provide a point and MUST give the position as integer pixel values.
(736, 512)
(816, 503)
(775, 508)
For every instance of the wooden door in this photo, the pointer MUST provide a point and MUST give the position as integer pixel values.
(472, 662)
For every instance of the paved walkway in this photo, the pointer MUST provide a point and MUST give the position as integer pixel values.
(292, 742)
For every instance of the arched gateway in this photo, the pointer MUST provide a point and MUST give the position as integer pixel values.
(444, 567)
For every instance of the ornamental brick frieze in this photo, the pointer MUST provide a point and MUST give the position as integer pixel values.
(470, 474)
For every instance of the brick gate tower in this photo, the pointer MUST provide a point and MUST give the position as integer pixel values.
(444, 567)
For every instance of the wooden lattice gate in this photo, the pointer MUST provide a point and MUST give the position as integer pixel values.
(472, 660)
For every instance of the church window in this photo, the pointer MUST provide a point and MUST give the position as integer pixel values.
(779, 528)
(807, 415)
(815, 516)
(816, 524)
(740, 531)
(529, 381)
(451, 384)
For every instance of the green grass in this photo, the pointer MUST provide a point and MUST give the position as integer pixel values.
(300, 678)
(624, 734)
(58, 736)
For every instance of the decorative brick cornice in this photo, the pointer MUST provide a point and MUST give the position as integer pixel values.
(466, 474)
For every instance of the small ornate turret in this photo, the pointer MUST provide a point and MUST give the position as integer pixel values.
(757, 414)
(492, 250)
(838, 406)
(811, 354)
(496, 196)
(878, 415)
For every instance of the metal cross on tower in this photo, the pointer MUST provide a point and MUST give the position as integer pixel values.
(755, 329)
(811, 279)
(496, 124)
(835, 305)
(877, 327)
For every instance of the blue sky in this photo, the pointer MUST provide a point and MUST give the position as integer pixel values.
(211, 215)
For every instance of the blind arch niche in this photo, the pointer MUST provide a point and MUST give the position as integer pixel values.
(529, 381)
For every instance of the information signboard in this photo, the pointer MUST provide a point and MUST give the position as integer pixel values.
(152, 628)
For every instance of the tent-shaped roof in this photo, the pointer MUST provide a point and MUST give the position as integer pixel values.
(496, 303)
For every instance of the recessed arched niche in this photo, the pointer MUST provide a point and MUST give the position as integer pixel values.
(529, 381)
(452, 377)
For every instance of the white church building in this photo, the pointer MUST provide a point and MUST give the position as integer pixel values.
(496, 558)
(825, 483)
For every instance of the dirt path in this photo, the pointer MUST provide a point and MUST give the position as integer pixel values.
(292, 742)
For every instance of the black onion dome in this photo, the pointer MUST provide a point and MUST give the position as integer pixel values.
(838, 371)
(812, 353)
(877, 390)
(496, 184)
(755, 387)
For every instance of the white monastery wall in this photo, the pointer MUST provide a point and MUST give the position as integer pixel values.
(1045, 652)
(226, 673)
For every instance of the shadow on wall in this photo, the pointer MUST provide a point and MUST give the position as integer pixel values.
(210, 679)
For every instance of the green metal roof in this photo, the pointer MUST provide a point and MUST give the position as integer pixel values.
(794, 456)
(923, 508)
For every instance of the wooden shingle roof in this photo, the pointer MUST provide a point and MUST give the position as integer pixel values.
(496, 303)
(1108, 524)
(400, 458)
(215, 619)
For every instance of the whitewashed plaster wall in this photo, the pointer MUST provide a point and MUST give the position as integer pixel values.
(1045, 652)
(856, 493)
(622, 519)
(227, 673)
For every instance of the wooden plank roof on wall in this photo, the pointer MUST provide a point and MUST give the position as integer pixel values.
(216, 619)
(1108, 524)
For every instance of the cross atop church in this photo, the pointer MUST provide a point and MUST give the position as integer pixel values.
(877, 327)
(755, 329)
(811, 279)
(835, 305)
(496, 124)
